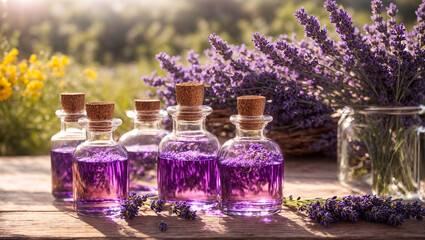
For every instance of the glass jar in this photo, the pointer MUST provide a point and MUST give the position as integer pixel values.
(62, 147)
(142, 146)
(251, 169)
(101, 169)
(380, 147)
(187, 159)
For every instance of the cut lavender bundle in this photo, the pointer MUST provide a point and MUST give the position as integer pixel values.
(352, 208)
(232, 71)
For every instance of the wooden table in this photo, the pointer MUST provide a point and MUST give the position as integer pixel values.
(27, 210)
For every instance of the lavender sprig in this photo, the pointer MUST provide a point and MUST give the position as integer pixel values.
(157, 206)
(352, 208)
(181, 209)
(130, 208)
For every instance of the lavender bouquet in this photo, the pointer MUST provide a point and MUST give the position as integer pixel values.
(232, 71)
(380, 76)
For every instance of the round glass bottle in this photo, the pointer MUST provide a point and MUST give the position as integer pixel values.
(187, 157)
(250, 165)
(63, 144)
(142, 145)
(100, 165)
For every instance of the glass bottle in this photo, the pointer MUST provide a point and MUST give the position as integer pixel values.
(63, 144)
(142, 145)
(250, 165)
(100, 165)
(187, 157)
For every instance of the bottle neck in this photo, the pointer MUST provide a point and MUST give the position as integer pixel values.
(250, 127)
(251, 134)
(70, 126)
(147, 125)
(189, 127)
(102, 137)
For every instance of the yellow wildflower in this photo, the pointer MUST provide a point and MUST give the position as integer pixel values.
(55, 63)
(23, 66)
(24, 78)
(14, 52)
(33, 89)
(12, 74)
(11, 56)
(35, 85)
(55, 60)
(33, 58)
(36, 74)
(5, 89)
(65, 60)
(3, 67)
(91, 74)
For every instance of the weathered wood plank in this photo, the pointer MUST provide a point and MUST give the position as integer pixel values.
(285, 225)
(28, 210)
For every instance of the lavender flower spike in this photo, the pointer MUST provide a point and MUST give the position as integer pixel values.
(314, 31)
(420, 28)
(220, 46)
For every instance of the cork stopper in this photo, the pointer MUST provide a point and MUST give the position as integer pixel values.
(147, 109)
(100, 115)
(190, 95)
(72, 103)
(251, 106)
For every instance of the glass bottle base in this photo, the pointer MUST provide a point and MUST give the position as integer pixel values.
(63, 196)
(251, 208)
(98, 209)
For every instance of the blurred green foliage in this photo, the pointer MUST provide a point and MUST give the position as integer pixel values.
(109, 31)
(119, 40)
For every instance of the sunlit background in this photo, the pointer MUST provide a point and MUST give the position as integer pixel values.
(111, 44)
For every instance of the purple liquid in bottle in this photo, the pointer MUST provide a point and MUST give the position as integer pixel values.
(143, 169)
(188, 177)
(61, 160)
(101, 183)
(251, 182)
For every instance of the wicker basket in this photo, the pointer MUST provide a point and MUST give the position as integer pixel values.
(296, 142)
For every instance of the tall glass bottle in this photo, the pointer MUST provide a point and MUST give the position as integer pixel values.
(142, 145)
(250, 165)
(100, 164)
(63, 144)
(187, 157)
